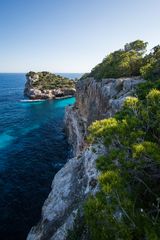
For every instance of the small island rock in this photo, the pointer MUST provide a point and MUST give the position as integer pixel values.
(45, 85)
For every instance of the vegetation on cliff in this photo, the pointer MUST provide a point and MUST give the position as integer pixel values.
(151, 66)
(129, 61)
(128, 204)
(47, 80)
(127, 207)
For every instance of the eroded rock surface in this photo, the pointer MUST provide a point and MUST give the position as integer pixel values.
(70, 187)
(95, 101)
(78, 178)
(46, 85)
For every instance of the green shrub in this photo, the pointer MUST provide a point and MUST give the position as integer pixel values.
(128, 204)
(129, 61)
(151, 67)
(48, 80)
(122, 63)
(144, 88)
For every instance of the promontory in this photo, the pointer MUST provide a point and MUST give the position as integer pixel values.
(46, 85)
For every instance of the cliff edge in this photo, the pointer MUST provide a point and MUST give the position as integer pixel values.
(78, 178)
(96, 100)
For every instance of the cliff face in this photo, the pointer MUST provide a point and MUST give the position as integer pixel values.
(46, 85)
(75, 128)
(70, 187)
(95, 101)
(78, 178)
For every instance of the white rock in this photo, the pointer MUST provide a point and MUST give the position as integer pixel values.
(70, 187)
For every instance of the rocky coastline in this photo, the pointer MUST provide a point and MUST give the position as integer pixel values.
(78, 178)
(95, 101)
(45, 85)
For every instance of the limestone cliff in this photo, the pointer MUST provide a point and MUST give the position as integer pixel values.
(70, 187)
(94, 101)
(45, 85)
(78, 178)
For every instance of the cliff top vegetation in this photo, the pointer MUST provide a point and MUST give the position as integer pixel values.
(128, 204)
(46, 80)
(127, 207)
(129, 61)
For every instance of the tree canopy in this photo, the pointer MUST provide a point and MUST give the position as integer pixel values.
(151, 67)
(138, 46)
(129, 61)
(46, 80)
(125, 62)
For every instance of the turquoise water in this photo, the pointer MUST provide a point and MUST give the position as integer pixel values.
(33, 147)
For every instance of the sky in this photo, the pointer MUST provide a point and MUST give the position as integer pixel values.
(71, 35)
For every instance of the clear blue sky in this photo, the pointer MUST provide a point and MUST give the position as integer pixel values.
(71, 35)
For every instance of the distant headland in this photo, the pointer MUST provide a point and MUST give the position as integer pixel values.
(46, 85)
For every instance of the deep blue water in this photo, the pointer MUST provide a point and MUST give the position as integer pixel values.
(33, 147)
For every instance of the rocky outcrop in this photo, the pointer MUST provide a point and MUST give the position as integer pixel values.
(98, 100)
(45, 85)
(75, 129)
(70, 187)
(78, 178)
(94, 101)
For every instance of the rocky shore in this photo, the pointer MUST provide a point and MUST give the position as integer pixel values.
(78, 178)
(45, 85)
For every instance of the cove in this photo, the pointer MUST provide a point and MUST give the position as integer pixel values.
(33, 147)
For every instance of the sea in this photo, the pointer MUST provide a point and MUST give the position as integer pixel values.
(33, 147)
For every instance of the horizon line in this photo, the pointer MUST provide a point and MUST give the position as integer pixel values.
(44, 71)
